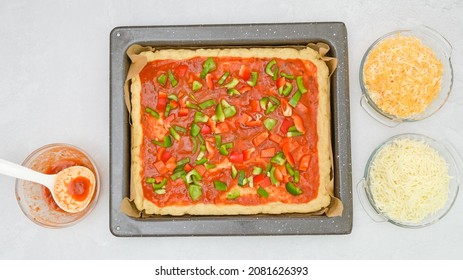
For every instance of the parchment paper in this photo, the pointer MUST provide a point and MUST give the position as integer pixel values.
(138, 63)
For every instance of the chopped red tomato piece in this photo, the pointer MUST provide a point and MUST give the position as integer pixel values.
(166, 156)
(244, 89)
(255, 105)
(244, 118)
(222, 127)
(268, 153)
(283, 171)
(191, 78)
(236, 157)
(304, 163)
(290, 158)
(210, 81)
(201, 169)
(260, 138)
(258, 178)
(248, 153)
(285, 140)
(180, 71)
(275, 138)
(159, 152)
(188, 167)
(286, 147)
(245, 73)
(286, 109)
(265, 182)
(210, 150)
(171, 164)
(297, 153)
(162, 101)
(183, 112)
(298, 123)
(212, 124)
(160, 167)
(205, 129)
(281, 82)
(173, 104)
(278, 173)
(285, 126)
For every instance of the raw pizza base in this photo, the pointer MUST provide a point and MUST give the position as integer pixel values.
(321, 202)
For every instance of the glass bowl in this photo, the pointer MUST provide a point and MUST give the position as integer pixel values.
(36, 201)
(445, 149)
(441, 48)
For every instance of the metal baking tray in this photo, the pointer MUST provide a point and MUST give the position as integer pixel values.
(332, 33)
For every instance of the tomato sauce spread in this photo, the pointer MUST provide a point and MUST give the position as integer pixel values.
(227, 130)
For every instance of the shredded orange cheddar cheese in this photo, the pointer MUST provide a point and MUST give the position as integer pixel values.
(402, 76)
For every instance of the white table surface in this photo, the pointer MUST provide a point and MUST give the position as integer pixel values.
(54, 87)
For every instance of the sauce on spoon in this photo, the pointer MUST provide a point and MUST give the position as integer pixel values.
(73, 188)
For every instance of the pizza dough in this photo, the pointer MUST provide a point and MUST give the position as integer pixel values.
(281, 157)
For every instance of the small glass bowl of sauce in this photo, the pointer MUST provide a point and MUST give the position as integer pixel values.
(36, 200)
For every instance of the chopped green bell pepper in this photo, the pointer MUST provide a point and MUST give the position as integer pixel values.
(196, 86)
(257, 170)
(191, 105)
(241, 178)
(233, 91)
(262, 192)
(200, 117)
(219, 113)
(234, 172)
(292, 189)
(270, 123)
(152, 112)
(206, 104)
(195, 129)
(179, 129)
(166, 143)
(269, 68)
(234, 194)
(219, 185)
(162, 79)
(286, 90)
(279, 158)
(295, 99)
(254, 78)
(229, 111)
(195, 191)
(287, 76)
(223, 78)
(232, 83)
(208, 66)
(300, 84)
(155, 185)
(174, 133)
(172, 79)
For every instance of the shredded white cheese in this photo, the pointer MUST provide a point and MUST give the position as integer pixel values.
(402, 76)
(409, 180)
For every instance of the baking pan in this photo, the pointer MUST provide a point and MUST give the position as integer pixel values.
(332, 33)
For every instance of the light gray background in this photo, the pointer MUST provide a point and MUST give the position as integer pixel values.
(54, 87)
